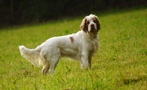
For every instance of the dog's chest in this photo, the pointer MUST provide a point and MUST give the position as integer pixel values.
(92, 45)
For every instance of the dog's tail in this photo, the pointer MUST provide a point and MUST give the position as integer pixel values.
(32, 55)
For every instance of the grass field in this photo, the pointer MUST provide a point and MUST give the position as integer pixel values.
(120, 64)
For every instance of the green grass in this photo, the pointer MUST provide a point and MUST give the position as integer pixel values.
(120, 64)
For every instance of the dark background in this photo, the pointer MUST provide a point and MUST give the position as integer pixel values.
(15, 12)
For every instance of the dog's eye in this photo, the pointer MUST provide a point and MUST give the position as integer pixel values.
(88, 22)
(94, 21)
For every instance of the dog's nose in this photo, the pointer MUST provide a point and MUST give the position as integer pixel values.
(92, 25)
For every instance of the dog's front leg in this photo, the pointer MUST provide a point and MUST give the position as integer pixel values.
(90, 59)
(85, 60)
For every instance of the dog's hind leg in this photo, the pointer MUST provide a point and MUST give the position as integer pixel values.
(46, 67)
(45, 62)
(53, 64)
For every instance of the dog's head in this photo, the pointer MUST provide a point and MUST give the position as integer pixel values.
(90, 23)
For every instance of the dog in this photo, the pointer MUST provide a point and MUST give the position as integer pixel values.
(80, 46)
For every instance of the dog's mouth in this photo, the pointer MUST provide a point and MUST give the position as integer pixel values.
(93, 29)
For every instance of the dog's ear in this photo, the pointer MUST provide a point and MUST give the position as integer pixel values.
(98, 24)
(84, 25)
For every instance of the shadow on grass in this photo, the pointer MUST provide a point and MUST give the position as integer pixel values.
(127, 81)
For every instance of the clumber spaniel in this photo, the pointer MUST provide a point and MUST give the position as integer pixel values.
(80, 46)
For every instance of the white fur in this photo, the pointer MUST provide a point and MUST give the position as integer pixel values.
(89, 18)
(79, 46)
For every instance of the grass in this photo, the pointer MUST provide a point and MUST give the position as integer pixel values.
(120, 64)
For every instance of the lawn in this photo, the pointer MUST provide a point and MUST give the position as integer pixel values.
(120, 64)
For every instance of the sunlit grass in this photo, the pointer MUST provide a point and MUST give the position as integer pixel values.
(120, 64)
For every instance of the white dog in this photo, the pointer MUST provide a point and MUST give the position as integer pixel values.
(80, 46)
